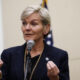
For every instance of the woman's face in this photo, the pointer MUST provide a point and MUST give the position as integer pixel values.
(32, 28)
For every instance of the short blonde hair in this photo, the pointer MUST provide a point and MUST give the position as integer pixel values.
(43, 12)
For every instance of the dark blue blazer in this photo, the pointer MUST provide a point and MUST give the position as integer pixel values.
(13, 67)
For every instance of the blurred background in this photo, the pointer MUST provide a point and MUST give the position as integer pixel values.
(65, 23)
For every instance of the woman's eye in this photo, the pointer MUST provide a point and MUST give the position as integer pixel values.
(34, 23)
(24, 23)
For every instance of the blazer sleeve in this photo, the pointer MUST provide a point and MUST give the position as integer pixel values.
(64, 67)
(5, 67)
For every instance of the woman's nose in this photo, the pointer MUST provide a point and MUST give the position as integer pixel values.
(28, 27)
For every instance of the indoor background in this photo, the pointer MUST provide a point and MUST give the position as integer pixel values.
(65, 23)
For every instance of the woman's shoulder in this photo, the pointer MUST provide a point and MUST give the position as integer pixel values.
(14, 49)
(56, 50)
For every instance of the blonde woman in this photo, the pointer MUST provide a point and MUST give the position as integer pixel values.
(47, 62)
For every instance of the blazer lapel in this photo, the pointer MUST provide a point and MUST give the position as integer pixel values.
(20, 63)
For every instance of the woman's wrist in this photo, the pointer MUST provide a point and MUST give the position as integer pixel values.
(54, 77)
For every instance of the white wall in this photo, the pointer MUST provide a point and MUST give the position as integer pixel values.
(65, 17)
(1, 29)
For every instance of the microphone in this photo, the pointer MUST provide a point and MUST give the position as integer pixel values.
(30, 44)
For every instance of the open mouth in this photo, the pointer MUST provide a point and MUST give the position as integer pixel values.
(28, 34)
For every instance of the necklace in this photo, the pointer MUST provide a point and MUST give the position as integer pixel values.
(34, 66)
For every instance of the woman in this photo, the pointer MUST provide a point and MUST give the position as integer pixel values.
(1, 63)
(47, 62)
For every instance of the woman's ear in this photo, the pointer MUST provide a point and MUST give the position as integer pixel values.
(46, 29)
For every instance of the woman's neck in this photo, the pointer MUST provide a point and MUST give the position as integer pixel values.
(37, 49)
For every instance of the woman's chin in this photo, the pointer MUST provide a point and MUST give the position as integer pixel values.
(28, 39)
